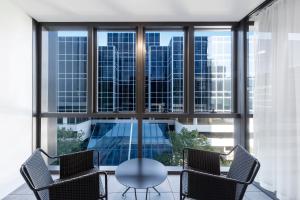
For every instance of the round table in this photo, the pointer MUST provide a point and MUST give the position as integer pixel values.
(141, 173)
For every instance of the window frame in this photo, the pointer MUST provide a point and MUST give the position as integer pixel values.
(239, 65)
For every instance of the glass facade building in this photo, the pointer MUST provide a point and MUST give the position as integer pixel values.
(164, 68)
(213, 71)
(116, 139)
(71, 71)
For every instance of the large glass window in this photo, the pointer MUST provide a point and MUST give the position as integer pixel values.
(251, 69)
(115, 139)
(213, 71)
(164, 140)
(250, 86)
(164, 66)
(64, 71)
(116, 67)
(65, 80)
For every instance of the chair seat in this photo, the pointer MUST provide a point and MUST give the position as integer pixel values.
(101, 187)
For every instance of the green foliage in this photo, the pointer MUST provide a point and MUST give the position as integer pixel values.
(69, 141)
(181, 140)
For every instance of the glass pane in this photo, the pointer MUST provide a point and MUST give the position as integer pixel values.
(164, 66)
(116, 71)
(213, 71)
(115, 139)
(251, 69)
(251, 140)
(164, 140)
(64, 71)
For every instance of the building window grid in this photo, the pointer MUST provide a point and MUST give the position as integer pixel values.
(170, 97)
(124, 44)
(214, 57)
(71, 99)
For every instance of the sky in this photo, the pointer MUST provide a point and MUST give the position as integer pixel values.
(165, 36)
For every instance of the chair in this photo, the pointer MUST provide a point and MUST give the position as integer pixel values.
(79, 178)
(201, 177)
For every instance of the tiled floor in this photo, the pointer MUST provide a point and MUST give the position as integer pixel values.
(169, 191)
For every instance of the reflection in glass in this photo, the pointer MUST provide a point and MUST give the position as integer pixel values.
(164, 63)
(251, 70)
(212, 71)
(64, 70)
(164, 140)
(116, 71)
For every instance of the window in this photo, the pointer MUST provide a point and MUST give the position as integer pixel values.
(164, 66)
(116, 71)
(164, 139)
(251, 69)
(64, 71)
(115, 139)
(250, 86)
(212, 62)
(71, 77)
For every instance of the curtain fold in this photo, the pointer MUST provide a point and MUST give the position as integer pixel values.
(277, 98)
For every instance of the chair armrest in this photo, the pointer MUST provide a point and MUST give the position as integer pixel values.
(52, 157)
(72, 164)
(203, 174)
(205, 161)
(201, 185)
(86, 186)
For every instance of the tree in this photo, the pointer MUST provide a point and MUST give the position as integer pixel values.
(69, 141)
(181, 140)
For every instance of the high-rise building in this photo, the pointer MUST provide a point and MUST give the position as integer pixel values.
(175, 76)
(164, 70)
(203, 76)
(165, 76)
(70, 72)
(158, 82)
(213, 73)
(108, 79)
(124, 43)
(151, 39)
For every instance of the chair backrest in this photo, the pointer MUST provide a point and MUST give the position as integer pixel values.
(243, 168)
(75, 163)
(204, 161)
(36, 174)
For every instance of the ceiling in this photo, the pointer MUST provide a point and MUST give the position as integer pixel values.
(137, 10)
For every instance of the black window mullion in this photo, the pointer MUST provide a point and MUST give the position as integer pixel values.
(90, 84)
(189, 100)
(140, 86)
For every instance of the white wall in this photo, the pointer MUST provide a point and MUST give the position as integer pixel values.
(15, 94)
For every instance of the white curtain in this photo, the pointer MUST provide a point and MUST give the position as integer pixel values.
(277, 98)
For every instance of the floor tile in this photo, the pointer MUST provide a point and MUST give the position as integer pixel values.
(169, 190)
(23, 189)
(257, 196)
(20, 197)
(252, 188)
(127, 196)
(174, 181)
(162, 196)
(114, 185)
(164, 187)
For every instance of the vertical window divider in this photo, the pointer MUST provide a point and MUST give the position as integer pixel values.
(240, 51)
(90, 84)
(140, 85)
(38, 84)
(189, 78)
(95, 71)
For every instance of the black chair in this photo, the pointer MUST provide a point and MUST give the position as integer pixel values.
(79, 178)
(201, 177)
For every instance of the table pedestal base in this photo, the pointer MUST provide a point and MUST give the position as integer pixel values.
(147, 189)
